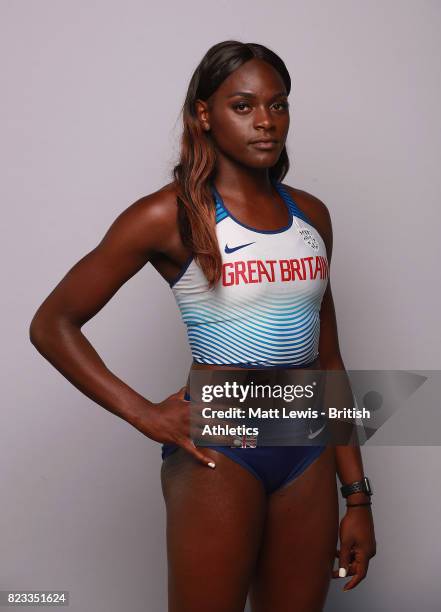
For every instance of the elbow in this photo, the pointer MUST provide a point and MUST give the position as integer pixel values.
(47, 328)
(38, 331)
(42, 327)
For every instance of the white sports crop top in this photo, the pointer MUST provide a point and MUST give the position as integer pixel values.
(265, 309)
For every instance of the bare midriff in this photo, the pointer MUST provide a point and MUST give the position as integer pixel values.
(299, 378)
(315, 365)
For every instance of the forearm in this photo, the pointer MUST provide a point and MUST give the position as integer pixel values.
(349, 463)
(70, 352)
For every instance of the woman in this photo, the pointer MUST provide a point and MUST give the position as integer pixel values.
(261, 520)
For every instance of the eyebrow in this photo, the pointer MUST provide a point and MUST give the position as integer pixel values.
(248, 94)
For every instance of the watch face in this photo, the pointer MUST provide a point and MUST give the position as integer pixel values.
(367, 484)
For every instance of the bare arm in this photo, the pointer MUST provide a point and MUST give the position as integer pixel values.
(138, 233)
(348, 458)
(357, 537)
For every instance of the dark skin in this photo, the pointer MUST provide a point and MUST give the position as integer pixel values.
(225, 537)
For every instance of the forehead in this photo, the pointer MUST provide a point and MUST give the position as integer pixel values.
(255, 76)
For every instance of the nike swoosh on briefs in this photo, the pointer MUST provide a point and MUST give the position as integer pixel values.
(232, 249)
(315, 433)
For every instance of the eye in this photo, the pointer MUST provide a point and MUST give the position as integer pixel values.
(283, 105)
(240, 105)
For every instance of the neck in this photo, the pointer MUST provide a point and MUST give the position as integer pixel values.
(233, 179)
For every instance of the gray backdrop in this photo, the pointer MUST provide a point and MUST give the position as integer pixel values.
(90, 99)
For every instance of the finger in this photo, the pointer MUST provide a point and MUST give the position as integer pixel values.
(345, 558)
(198, 422)
(219, 429)
(336, 567)
(197, 418)
(360, 571)
(190, 447)
(351, 571)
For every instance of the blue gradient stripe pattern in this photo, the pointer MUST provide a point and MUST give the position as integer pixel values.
(279, 329)
(265, 323)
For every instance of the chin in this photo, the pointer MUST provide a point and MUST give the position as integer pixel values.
(263, 161)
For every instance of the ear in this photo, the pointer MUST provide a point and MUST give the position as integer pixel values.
(203, 114)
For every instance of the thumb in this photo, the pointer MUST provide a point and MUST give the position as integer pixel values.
(190, 447)
(344, 559)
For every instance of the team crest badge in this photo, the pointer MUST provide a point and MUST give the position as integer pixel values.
(308, 237)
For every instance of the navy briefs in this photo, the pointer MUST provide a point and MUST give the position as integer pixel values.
(274, 466)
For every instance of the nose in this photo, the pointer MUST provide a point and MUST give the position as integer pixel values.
(263, 118)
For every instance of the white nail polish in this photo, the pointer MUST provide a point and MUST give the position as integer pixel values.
(211, 464)
(342, 572)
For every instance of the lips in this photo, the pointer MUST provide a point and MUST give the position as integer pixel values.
(259, 140)
(264, 144)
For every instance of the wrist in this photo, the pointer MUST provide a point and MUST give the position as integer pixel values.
(359, 506)
(362, 487)
(358, 498)
(139, 412)
(358, 501)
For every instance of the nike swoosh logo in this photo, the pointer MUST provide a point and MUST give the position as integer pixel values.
(313, 434)
(232, 249)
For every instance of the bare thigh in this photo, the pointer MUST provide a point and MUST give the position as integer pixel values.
(299, 540)
(215, 521)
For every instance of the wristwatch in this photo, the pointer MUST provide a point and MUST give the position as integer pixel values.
(360, 486)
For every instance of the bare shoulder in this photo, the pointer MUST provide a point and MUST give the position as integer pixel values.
(149, 222)
(316, 210)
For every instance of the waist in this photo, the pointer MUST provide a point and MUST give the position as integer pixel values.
(314, 365)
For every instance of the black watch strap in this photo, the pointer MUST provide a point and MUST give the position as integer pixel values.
(360, 486)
